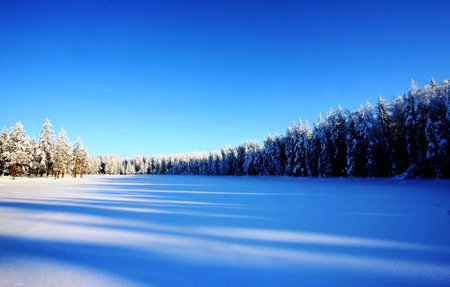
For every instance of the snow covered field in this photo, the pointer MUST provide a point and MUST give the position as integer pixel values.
(224, 231)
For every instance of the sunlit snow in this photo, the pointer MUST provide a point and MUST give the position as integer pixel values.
(224, 231)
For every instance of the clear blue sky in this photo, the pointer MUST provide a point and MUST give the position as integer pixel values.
(134, 78)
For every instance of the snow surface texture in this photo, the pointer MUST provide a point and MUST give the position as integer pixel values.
(224, 231)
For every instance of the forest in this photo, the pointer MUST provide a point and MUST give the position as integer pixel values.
(407, 137)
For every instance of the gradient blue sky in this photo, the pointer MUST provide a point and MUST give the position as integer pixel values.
(134, 78)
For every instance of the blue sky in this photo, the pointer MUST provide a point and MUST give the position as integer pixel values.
(158, 77)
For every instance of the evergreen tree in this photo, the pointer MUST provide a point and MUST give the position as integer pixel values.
(62, 154)
(349, 140)
(361, 144)
(37, 163)
(399, 150)
(4, 151)
(325, 150)
(20, 151)
(371, 137)
(79, 158)
(291, 140)
(46, 144)
(384, 149)
(338, 143)
(300, 149)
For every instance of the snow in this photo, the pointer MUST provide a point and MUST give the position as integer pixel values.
(224, 231)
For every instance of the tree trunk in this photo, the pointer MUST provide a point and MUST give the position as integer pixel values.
(14, 170)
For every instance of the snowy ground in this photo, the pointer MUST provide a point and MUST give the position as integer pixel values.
(224, 231)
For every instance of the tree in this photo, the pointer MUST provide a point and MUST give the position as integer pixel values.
(253, 159)
(37, 163)
(4, 151)
(46, 144)
(371, 138)
(399, 152)
(19, 148)
(338, 143)
(301, 149)
(325, 150)
(62, 154)
(291, 140)
(384, 148)
(79, 158)
(314, 149)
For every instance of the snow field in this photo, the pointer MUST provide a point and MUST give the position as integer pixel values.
(223, 231)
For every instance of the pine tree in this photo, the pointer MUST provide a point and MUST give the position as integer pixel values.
(240, 158)
(253, 159)
(384, 149)
(415, 122)
(301, 149)
(361, 143)
(79, 158)
(4, 151)
(19, 150)
(274, 155)
(291, 140)
(399, 152)
(371, 137)
(62, 154)
(37, 163)
(324, 167)
(314, 149)
(46, 144)
(338, 143)
(350, 140)
(224, 164)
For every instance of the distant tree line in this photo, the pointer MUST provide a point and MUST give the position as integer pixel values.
(408, 136)
(21, 155)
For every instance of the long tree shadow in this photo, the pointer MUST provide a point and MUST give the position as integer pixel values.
(198, 234)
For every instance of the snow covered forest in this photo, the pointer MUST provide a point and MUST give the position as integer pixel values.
(20, 155)
(407, 136)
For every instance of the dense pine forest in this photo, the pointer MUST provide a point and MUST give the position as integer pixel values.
(408, 136)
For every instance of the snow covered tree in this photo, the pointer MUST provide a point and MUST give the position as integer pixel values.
(291, 139)
(46, 141)
(130, 169)
(350, 140)
(338, 143)
(37, 166)
(62, 156)
(314, 149)
(301, 149)
(253, 159)
(371, 136)
(4, 151)
(325, 150)
(274, 155)
(399, 152)
(240, 159)
(79, 158)
(384, 134)
(415, 121)
(20, 151)
(224, 163)
(357, 143)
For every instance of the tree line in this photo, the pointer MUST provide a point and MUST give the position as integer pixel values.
(21, 155)
(408, 136)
